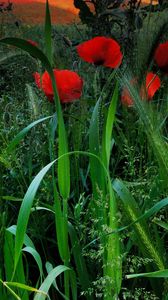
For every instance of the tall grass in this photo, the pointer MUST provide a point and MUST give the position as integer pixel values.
(97, 225)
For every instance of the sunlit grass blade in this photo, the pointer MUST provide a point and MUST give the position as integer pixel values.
(10, 290)
(25, 287)
(49, 281)
(156, 274)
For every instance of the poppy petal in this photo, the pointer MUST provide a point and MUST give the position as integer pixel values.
(153, 83)
(47, 86)
(161, 57)
(69, 85)
(101, 51)
(147, 92)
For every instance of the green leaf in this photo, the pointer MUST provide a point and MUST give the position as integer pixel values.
(11, 198)
(156, 274)
(48, 41)
(37, 258)
(10, 290)
(26, 241)
(106, 149)
(49, 281)
(49, 268)
(95, 148)
(22, 133)
(25, 287)
(161, 224)
(25, 210)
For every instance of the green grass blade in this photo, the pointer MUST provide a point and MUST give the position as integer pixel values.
(156, 274)
(25, 287)
(48, 41)
(49, 281)
(8, 255)
(32, 50)
(9, 263)
(106, 147)
(10, 290)
(73, 284)
(25, 210)
(37, 258)
(95, 148)
(22, 134)
(26, 241)
(161, 224)
(49, 268)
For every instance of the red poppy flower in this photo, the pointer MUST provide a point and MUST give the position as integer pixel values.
(33, 43)
(69, 85)
(152, 84)
(161, 57)
(101, 51)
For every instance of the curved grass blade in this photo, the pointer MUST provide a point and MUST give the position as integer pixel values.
(22, 133)
(161, 224)
(26, 241)
(37, 258)
(10, 290)
(49, 281)
(156, 274)
(49, 268)
(27, 202)
(25, 287)
(63, 165)
(25, 210)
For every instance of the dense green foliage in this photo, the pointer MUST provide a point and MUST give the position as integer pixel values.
(83, 186)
